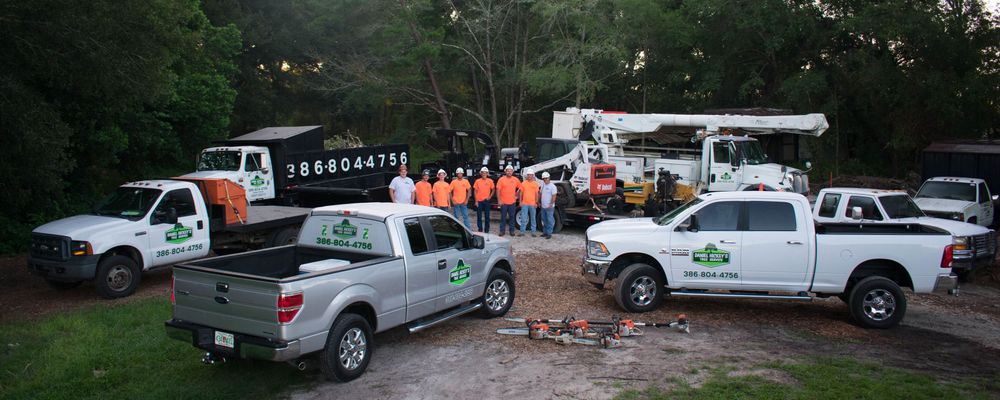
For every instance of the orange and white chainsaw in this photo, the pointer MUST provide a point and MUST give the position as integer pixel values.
(571, 330)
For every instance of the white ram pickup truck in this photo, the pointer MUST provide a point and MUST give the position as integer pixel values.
(960, 199)
(973, 245)
(765, 245)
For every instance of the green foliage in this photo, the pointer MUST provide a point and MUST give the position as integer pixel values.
(122, 352)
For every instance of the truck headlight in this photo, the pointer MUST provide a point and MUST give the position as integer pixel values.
(80, 248)
(958, 216)
(597, 249)
(960, 243)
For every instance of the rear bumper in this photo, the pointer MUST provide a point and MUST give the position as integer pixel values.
(596, 271)
(75, 269)
(246, 346)
(945, 283)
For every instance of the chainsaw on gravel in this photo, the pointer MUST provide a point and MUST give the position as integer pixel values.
(570, 330)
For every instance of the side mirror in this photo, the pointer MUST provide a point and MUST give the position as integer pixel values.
(856, 213)
(809, 165)
(168, 216)
(996, 197)
(478, 242)
(263, 170)
(691, 225)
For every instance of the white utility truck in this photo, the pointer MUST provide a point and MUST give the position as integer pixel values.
(725, 162)
(765, 245)
(974, 245)
(150, 224)
(959, 199)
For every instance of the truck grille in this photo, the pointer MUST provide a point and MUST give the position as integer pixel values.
(984, 244)
(49, 247)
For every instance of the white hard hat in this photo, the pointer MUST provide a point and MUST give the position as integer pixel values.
(484, 169)
(545, 175)
(441, 171)
(510, 167)
(459, 171)
(529, 171)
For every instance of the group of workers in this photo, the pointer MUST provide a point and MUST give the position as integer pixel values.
(510, 192)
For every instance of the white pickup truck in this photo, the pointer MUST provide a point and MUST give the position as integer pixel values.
(960, 199)
(357, 269)
(765, 245)
(973, 245)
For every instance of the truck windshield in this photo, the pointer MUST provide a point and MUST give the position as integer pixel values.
(220, 161)
(948, 190)
(900, 206)
(666, 219)
(751, 151)
(128, 202)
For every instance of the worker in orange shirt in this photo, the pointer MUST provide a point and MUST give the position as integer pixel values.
(442, 192)
(529, 201)
(460, 196)
(508, 187)
(483, 190)
(423, 189)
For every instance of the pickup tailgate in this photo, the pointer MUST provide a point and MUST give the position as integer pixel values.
(227, 302)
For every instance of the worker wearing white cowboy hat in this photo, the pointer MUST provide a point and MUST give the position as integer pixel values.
(483, 191)
(508, 188)
(529, 201)
(548, 203)
(460, 196)
(442, 191)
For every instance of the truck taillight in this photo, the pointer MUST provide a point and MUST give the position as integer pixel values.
(947, 257)
(289, 305)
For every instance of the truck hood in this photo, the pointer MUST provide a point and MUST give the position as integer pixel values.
(82, 227)
(618, 228)
(956, 228)
(769, 169)
(941, 205)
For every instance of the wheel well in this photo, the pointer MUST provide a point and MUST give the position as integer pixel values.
(973, 220)
(365, 310)
(127, 251)
(504, 265)
(884, 268)
(624, 260)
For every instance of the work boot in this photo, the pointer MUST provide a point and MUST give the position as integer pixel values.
(534, 235)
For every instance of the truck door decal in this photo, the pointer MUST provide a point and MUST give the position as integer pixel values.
(710, 256)
(345, 230)
(460, 274)
(179, 234)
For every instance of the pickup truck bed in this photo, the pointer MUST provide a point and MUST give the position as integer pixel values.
(260, 218)
(279, 264)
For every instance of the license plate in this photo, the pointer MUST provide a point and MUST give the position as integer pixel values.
(224, 339)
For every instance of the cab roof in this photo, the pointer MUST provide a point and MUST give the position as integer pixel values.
(955, 179)
(156, 183)
(377, 210)
(753, 194)
(873, 192)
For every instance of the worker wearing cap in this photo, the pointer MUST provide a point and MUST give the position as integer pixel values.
(548, 203)
(401, 188)
(423, 189)
(460, 197)
(442, 191)
(508, 187)
(529, 201)
(483, 190)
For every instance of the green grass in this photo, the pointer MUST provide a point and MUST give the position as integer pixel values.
(122, 352)
(821, 378)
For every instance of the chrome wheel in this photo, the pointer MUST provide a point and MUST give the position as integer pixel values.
(643, 291)
(119, 278)
(497, 295)
(353, 348)
(879, 304)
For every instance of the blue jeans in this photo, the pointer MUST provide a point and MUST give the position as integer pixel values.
(462, 210)
(548, 220)
(507, 217)
(483, 215)
(528, 216)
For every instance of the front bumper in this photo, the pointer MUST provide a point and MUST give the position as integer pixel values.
(75, 269)
(945, 283)
(246, 346)
(596, 271)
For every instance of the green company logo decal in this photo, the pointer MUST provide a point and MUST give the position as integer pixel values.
(364, 236)
(726, 177)
(710, 256)
(257, 181)
(179, 234)
(460, 273)
(345, 230)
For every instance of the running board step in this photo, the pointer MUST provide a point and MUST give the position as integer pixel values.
(421, 324)
(800, 296)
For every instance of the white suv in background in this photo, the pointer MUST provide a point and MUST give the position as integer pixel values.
(959, 199)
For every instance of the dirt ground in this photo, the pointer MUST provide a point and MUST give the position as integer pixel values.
(944, 336)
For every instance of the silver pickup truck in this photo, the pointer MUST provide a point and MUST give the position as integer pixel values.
(357, 269)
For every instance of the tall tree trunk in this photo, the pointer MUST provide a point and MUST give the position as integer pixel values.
(442, 109)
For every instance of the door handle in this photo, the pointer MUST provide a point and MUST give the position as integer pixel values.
(442, 264)
(796, 242)
(727, 241)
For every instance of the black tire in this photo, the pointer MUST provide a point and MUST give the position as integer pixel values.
(558, 216)
(616, 205)
(61, 285)
(639, 288)
(283, 237)
(565, 197)
(117, 276)
(877, 302)
(346, 331)
(498, 295)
